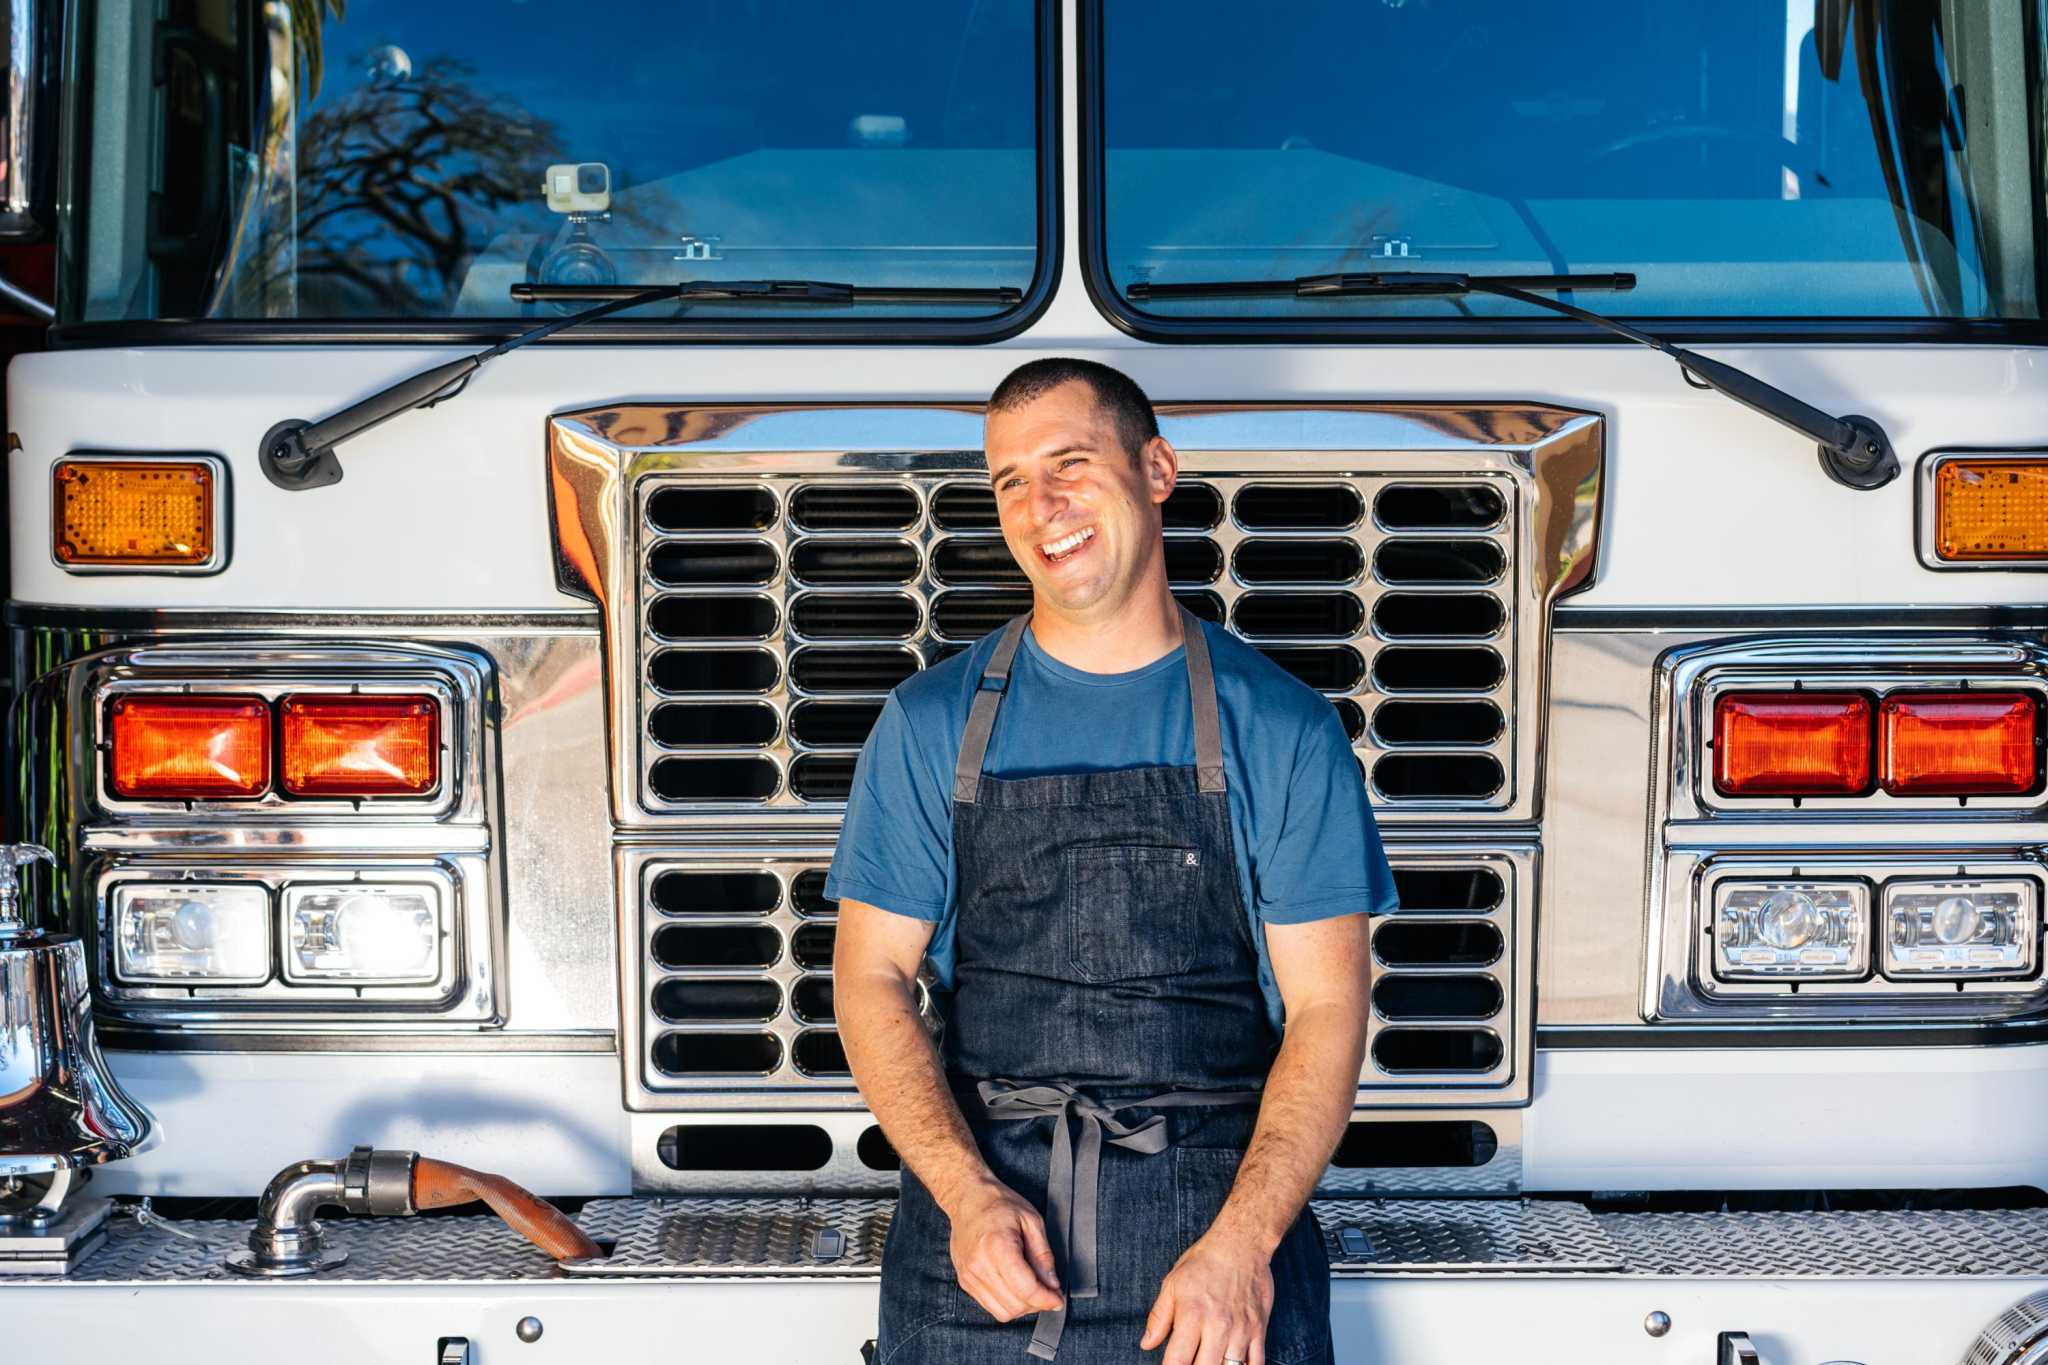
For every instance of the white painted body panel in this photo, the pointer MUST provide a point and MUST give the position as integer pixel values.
(1411, 1320)
(1708, 503)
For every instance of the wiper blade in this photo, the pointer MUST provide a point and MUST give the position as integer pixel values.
(1854, 450)
(297, 454)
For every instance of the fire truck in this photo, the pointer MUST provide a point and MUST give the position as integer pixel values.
(491, 460)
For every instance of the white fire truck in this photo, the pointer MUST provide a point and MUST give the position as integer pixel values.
(492, 459)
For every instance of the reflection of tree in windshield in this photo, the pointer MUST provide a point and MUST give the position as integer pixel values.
(401, 182)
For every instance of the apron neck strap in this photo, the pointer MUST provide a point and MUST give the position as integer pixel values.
(995, 681)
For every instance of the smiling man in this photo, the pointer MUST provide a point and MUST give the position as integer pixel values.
(1139, 858)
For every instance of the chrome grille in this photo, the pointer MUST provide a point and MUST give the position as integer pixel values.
(734, 979)
(777, 610)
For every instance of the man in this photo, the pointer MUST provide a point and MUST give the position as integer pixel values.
(1139, 858)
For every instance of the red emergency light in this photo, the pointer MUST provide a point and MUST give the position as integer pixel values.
(1792, 744)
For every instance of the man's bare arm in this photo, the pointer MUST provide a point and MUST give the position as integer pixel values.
(1000, 1252)
(1214, 1303)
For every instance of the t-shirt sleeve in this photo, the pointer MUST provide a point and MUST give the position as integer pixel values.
(896, 844)
(1326, 858)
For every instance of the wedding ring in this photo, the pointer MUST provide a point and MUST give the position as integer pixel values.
(1228, 1361)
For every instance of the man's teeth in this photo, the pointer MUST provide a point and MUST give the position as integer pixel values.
(1066, 545)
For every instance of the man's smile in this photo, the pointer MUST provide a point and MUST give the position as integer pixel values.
(1067, 546)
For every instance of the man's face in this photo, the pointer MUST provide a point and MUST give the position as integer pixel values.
(1079, 514)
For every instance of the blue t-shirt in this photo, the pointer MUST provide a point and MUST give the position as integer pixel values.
(1307, 847)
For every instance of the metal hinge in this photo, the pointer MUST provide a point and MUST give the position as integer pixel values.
(454, 1351)
(1737, 1349)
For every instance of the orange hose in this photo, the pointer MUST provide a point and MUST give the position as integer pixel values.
(443, 1185)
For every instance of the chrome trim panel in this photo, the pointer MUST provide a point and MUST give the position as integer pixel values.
(1923, 512)
(20, 214)
(600, 462)
(223, 510)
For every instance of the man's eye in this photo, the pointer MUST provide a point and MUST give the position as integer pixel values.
(1070, 462)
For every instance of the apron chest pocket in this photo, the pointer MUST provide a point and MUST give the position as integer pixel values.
(1133, 910)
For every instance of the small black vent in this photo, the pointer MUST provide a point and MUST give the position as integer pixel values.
(854, 507)
(745, 1146)
(865, 562)
(1438, 561)
(680, 1000)
(714, 779)
(1436, 1142)
(1409, 669)
(1403, 997)
(1298, 561)
(807, 894)
(971, 615)
(1411, 615)
(711, 509)
(854, 616)
(1192, 507)
(713, 723)
(1439, 507)
(811, 1000)
(717, 945)
(1192, 561)
(1407, 1051)
(875, 1150)
(676, 563)
(1438, 777)
(1298, 507)
(1436, 722)
(713, 670)
(811, 946)
(1448, 888)
(1297, 615)
(833, 724)
(822, 777)
(833, 669)
(1353, 717)
(717, 1054)
(1327, 668)
(716, 893)
(713, 618)
(965, 507)
(1403, 942)
(976, 563)
(1207, 605)
(818, 1052)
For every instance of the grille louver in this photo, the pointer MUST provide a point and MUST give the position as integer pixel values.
(778, 614)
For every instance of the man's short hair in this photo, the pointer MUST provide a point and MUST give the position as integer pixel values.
(1116, 393)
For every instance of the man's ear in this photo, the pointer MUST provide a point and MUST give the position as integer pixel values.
(1161, 465)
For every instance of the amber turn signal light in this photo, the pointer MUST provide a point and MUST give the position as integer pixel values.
(1792, 744)
(1991, 510)
(1959, 743)
(189, 748)
(361, 745)
(132, 513)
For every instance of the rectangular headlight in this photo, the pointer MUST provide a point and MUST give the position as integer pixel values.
(186, 933)
(1771, 931)
(1961, 928)
(363, 932)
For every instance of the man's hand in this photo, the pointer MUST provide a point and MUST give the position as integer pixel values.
(1213, 1305)
(1001, 1255)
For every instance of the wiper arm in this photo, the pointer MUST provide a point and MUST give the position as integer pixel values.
(1854, 450)
(296, 454)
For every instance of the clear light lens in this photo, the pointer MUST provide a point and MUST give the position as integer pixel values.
(364, 932)
(1961, 928)
(185, 933)
(1767, 931)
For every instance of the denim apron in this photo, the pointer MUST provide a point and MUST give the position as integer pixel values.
(1107, 1040)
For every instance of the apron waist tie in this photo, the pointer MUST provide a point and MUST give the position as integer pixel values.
(1072, 1178)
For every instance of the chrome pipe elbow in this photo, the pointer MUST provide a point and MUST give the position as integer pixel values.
(288, 1239)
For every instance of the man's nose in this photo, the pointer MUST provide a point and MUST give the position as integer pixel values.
(1047, 502)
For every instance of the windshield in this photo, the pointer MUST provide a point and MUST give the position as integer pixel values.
(1742, 158)
(392, 159)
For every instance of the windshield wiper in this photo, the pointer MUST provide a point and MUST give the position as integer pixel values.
(297, 454)
(1854, 450)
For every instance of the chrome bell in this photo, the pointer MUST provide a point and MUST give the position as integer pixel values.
(61, 1110)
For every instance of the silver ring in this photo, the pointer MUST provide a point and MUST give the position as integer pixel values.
(1228, 1361)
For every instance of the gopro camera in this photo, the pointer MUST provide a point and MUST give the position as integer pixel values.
(580, 187)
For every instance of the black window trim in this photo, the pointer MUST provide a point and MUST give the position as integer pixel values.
(772, 329)
(1487, 331)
